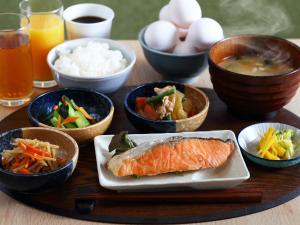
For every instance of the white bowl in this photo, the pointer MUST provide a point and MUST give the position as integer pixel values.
(107, 84)
(249, 138)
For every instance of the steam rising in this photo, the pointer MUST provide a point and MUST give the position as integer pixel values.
(262, 17)
(270, 52)
(257, 17)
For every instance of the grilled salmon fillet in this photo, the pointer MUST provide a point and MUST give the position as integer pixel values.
(172, 155)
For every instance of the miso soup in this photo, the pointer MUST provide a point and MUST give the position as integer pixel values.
(255, 66)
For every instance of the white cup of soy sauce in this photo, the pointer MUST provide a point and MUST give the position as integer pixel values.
(88, 20)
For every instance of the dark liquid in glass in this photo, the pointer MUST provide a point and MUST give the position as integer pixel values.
(89, 19)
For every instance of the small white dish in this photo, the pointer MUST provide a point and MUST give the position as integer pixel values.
(231, 174)
(250, 136)
(85, 30)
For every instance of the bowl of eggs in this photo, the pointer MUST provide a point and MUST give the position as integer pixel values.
(255, 75)
(177, 45)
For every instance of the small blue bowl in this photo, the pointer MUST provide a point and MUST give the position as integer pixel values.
(35, 182)
(173, 66)
(249, 137)
(199, 99)
(96, 104)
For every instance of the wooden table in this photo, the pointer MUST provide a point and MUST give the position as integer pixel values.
(13, 212)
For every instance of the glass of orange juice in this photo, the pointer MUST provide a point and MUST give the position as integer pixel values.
(46, 31)
(15, 60)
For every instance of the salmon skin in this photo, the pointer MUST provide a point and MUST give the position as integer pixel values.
(175, 154)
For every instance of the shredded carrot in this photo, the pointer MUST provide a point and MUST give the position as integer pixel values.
(33, 150)
(22, 145)
(69, 119)
(30, 156)
(64, 101)
(24, 171)
(59, 121)
(34, 156)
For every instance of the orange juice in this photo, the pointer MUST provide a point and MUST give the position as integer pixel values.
(46, 31)
(15, 66)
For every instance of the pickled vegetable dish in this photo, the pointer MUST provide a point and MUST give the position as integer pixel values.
(167, 104)
(277, 145)
(32, 156)
(67, 114)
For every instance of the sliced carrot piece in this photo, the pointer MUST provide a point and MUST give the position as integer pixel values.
(59, 121)
(140, 103)
(34, 156)
(24, 171)
(22, 145)
(34, 150)
(64, 101)
(149, 112)
(69, 119)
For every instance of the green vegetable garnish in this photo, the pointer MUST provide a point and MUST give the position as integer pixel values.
(121, 143)
(158, 98)
(66, 114)
(168, 117)
(285, 140)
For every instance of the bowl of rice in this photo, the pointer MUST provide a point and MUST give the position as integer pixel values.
(92, 63)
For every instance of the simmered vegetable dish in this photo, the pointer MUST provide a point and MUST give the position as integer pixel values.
(32, 156)
(167, 104)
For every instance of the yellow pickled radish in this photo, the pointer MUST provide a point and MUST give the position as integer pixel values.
(267, 145)
(280, 150)
(271, 156)
(267, 136)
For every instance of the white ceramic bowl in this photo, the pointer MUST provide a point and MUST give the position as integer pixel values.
(107, 84)
(250, 136)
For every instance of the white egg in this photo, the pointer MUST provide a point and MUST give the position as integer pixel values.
(164, 13)
(184, 12)
(161, 35)
(184, 48)
(204, 33)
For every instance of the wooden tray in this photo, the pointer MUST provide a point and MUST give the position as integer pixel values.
(277, 185)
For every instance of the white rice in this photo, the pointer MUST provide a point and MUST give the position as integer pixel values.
(95, 59)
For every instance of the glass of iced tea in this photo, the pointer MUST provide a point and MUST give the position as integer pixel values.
(15, 60)
(46, 31)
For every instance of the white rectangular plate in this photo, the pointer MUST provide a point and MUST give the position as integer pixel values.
(231, 174)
